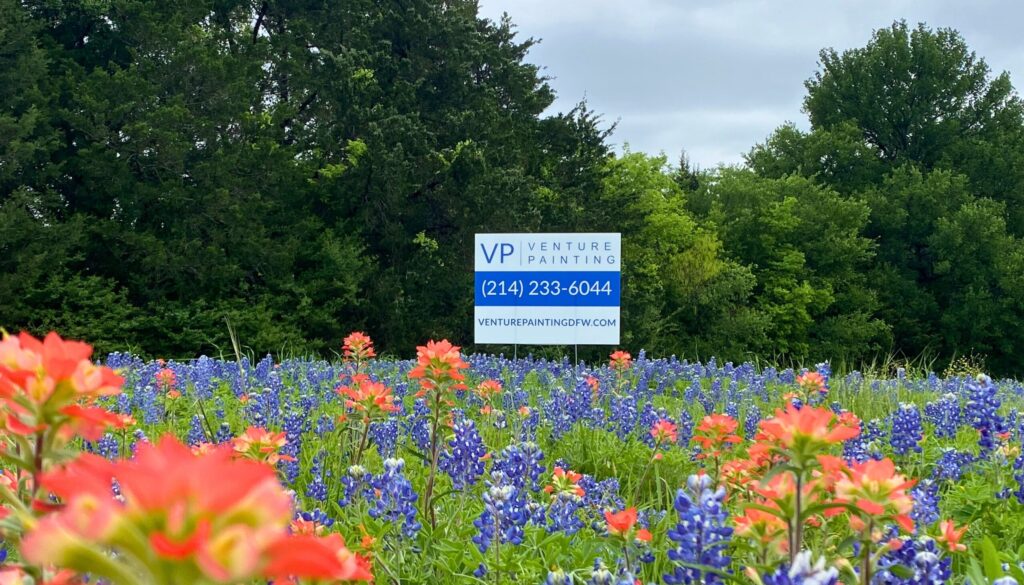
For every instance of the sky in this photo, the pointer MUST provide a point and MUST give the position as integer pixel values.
(715, 77)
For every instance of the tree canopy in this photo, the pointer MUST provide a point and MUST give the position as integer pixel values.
(296, 170)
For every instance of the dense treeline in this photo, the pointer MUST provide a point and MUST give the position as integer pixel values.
(298, 169)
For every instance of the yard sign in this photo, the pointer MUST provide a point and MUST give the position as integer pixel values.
(547, 289)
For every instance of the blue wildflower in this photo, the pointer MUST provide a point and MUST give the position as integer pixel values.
(944, 414)
(396, 500)
(385, 436)
(982, 412)
(906, 430)
(952, 464)
(563, 513)
(504, 513)
(922, 562)
(702, 533)
(462, 461)
(355, 484)
(926, 504)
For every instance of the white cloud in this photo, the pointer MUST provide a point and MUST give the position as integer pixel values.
(716, 76)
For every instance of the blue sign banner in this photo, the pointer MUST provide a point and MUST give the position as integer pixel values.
(548, 289)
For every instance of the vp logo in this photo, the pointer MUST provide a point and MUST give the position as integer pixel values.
(502, 250)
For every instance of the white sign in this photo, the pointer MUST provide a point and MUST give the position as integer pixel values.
(547, 289)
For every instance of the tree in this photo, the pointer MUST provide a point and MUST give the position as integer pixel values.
(804, 245)
(922, 97)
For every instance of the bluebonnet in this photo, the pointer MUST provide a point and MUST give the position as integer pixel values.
(294, 425)
(521, 463)
(396, 500)
(864, 446)
(648, 416)
(693, 391)
(1018, 476)
(146, 402)
(684, 428)
(462, 460)
(537, 513)
(751, 422)
(982, 412)
(500, 420)
(825, 369)
(202, 375)
(624, 415)
(600, 575)
(802, 572)
(224, 433)
(355, 484)
(140, 437)
(708, 399)
(922, 561)
(601, 495)
(944, 414)
(1007, 580)
(952, 464)
(316, 489)
(732, 409)
(528, 430)
(702, 534)
(563, 513)
(107, 446)
(196, 433)
(324, 425)
(565, 409)
(906, 430)
(504, 513)
(418, 426)
(385, 437)
(926, 504)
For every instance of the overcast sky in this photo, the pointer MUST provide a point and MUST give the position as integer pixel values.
(717, 76)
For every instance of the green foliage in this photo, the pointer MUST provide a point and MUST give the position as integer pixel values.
(803, 244)
(915, 126)
(170, 167)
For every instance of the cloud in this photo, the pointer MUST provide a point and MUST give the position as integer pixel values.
(715, 77)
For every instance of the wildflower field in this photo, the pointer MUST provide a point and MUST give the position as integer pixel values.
(454, 468)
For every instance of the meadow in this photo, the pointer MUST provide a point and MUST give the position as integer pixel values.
(481, 469)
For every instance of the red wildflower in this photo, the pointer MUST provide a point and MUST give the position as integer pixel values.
(714, 432)
(875, 490)
(766, 529)
(950, 536)
(51, 383)
(620, 524)
(438, 364)
(812, 382)
(373, 399)
(259, 444)
(620, 360)
(319, 558)
(358, 347)
(664, 431)
(223, 517)
(565, 482)
(166, 379)
(488, 388)
(799, 434)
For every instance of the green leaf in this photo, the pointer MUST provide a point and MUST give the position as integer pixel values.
(901, 571)
(990, 559)
(975, 574)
